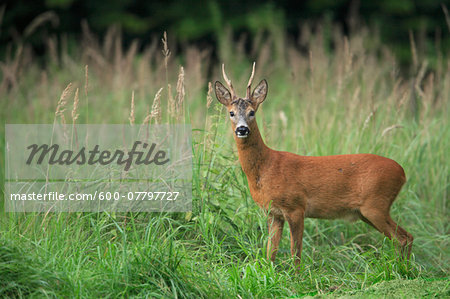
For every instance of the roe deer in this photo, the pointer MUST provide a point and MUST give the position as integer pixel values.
(294, 187)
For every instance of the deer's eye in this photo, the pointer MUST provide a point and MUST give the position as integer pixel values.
(231, 113)
(252, 113)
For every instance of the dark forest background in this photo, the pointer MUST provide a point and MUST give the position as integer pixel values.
(201, 22)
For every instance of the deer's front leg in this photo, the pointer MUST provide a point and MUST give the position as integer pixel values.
(276, 224)
(295, 219)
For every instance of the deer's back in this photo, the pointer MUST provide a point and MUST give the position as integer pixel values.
(326, 186)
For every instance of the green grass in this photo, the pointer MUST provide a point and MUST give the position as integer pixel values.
(328, 103)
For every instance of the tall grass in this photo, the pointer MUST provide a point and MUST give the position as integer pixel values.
(328, 94)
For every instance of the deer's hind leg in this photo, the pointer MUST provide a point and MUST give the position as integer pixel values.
(379, 218)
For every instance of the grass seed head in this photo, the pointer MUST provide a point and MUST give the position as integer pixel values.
(75, 107)
(156, 107)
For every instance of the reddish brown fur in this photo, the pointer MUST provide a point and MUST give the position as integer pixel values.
(358, 186)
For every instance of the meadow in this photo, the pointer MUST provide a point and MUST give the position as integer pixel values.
(328, 94)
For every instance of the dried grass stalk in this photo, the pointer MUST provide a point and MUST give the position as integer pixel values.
(311, 65)
(209, 98)
(156, 107)
(419, 78)
(447, 16)
(180, 93)
(413, 50)
(171, 100)
(132, 118)
(11, 69)
(52, 47)
(61, 106)
(166, 51)
(48, 16)
(75, 115)
(86, 94)
(385, 131)
(76, 101)
(86, 82)
(147, 117)
(369, 117)
(284, 120)
(347, 56)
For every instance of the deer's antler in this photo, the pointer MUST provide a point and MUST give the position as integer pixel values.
(249, 85)
(228, 81)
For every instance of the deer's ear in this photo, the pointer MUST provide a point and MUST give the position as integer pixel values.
(260, 92)
(222, 93)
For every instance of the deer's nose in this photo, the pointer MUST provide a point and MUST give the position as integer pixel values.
(242, 131)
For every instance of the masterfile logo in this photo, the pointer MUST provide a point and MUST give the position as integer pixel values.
(91, 157)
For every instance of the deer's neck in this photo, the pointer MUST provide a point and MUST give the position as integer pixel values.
(253, 153)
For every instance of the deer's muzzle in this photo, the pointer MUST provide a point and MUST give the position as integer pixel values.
(242, 131)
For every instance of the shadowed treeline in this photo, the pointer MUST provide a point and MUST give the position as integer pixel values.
(202, 22)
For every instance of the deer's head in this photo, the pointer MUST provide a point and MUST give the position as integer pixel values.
(241, 110)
